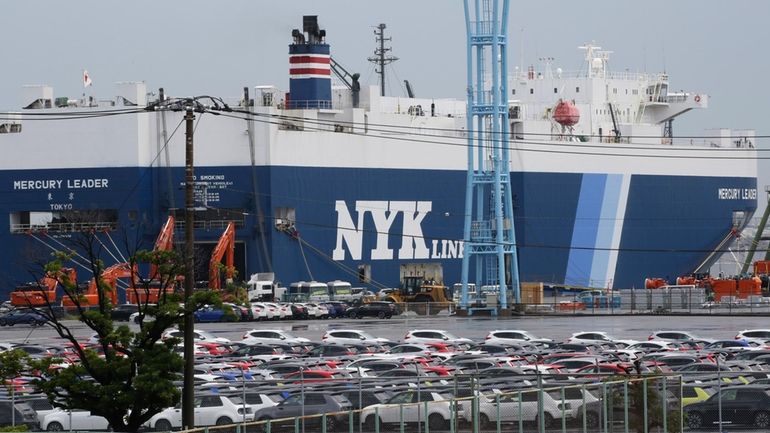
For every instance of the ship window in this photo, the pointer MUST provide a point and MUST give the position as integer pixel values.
(65, 220)
(211, 218)
(577, 89)
(555, 90)
(635, 91)
(615, 91)
(531, 91)
(514, 91)
(626, 91)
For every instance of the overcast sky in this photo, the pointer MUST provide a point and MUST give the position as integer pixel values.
(217, 47)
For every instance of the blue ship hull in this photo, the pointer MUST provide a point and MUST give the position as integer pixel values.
(568, 225)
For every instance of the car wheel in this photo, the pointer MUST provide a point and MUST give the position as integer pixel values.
(388, 316)
(694, 420)
(162, 425)
(352, 315)
(224, 420)
(762, 419)
(592, 420)
(369, 423)
(436, 422)
(3, 323)
(331, 424)
(54, 426)
(547, 420)
(265, 421)
(381, 315)
(484, 421)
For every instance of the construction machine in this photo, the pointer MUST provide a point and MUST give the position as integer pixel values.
(418, 289)
(38, 294)
(110, 276)
(150, 291)
(225, 249)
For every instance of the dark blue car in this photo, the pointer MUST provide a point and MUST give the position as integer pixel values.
(22, 316)
(213, 314)
(336, 308)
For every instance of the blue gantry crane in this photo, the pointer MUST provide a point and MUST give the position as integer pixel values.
(488, 232)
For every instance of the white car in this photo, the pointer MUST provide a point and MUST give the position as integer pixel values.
(257, 401)
(410, 404)
(756, 335)
(268, 336)
(514, 336)
(316, 311)
(509, 407)
(199, 335)
(209, 410)
(673, 336)
(259, 311)
(61, 420)
(598, 337)
(434, 336)
(351, 336)
(279, 311)
(655, 346)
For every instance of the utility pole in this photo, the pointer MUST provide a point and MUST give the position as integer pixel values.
(380, 59)
(188, 392)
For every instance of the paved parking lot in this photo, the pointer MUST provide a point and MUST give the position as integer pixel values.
(558, 328)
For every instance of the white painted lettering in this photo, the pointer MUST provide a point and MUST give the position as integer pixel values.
(383, 219)
(412, 239)
(348, 232)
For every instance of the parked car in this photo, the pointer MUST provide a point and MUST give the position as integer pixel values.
(380, 309)
(22, 316)
(199, 335)
(23, 413)
(76, 419)
(411, 405)
(209, 410)
(312, 404)
(122, 312)
(209, 313)
(352, 336)
(434, 336)
(268, 336)
(741, 405)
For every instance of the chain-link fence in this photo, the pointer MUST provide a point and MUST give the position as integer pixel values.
(631, 404)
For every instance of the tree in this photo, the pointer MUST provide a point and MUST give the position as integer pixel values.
(129, 376)
(12, 364)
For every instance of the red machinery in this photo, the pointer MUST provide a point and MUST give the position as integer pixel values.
(225, 248)
(151, 293)
(41, 293)
(655, 283)
(110, 276)
(739, 287)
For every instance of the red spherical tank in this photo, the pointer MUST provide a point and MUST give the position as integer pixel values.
(566, 113)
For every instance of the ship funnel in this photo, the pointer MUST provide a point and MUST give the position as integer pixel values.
(310, 84)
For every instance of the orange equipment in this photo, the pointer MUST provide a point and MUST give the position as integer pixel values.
(225, 248)
(110, 276)
(150, 295)
(762, 267)
(43, 292)
(655, 283)
(739, 287)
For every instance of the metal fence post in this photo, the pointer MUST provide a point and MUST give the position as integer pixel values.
(498, 428)
(521, 416)
(323, 423)
(625, 404)
(296, 424)
(269, 426)
(400, 418)
(427, 424)
(665, 405)
(377, 419)
(646, 406)
(585, 421)
(452, 414)
(604, 406)
(475, 412)
(563, 410)
(350, 421)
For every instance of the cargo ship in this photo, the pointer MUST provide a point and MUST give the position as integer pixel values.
(331, 180)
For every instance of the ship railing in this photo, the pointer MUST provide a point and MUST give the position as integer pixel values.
(313, 104)
(200, 224)
(481, 230)
(64, 227)
(567, 75)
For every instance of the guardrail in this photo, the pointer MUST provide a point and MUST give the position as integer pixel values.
(639, 404)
